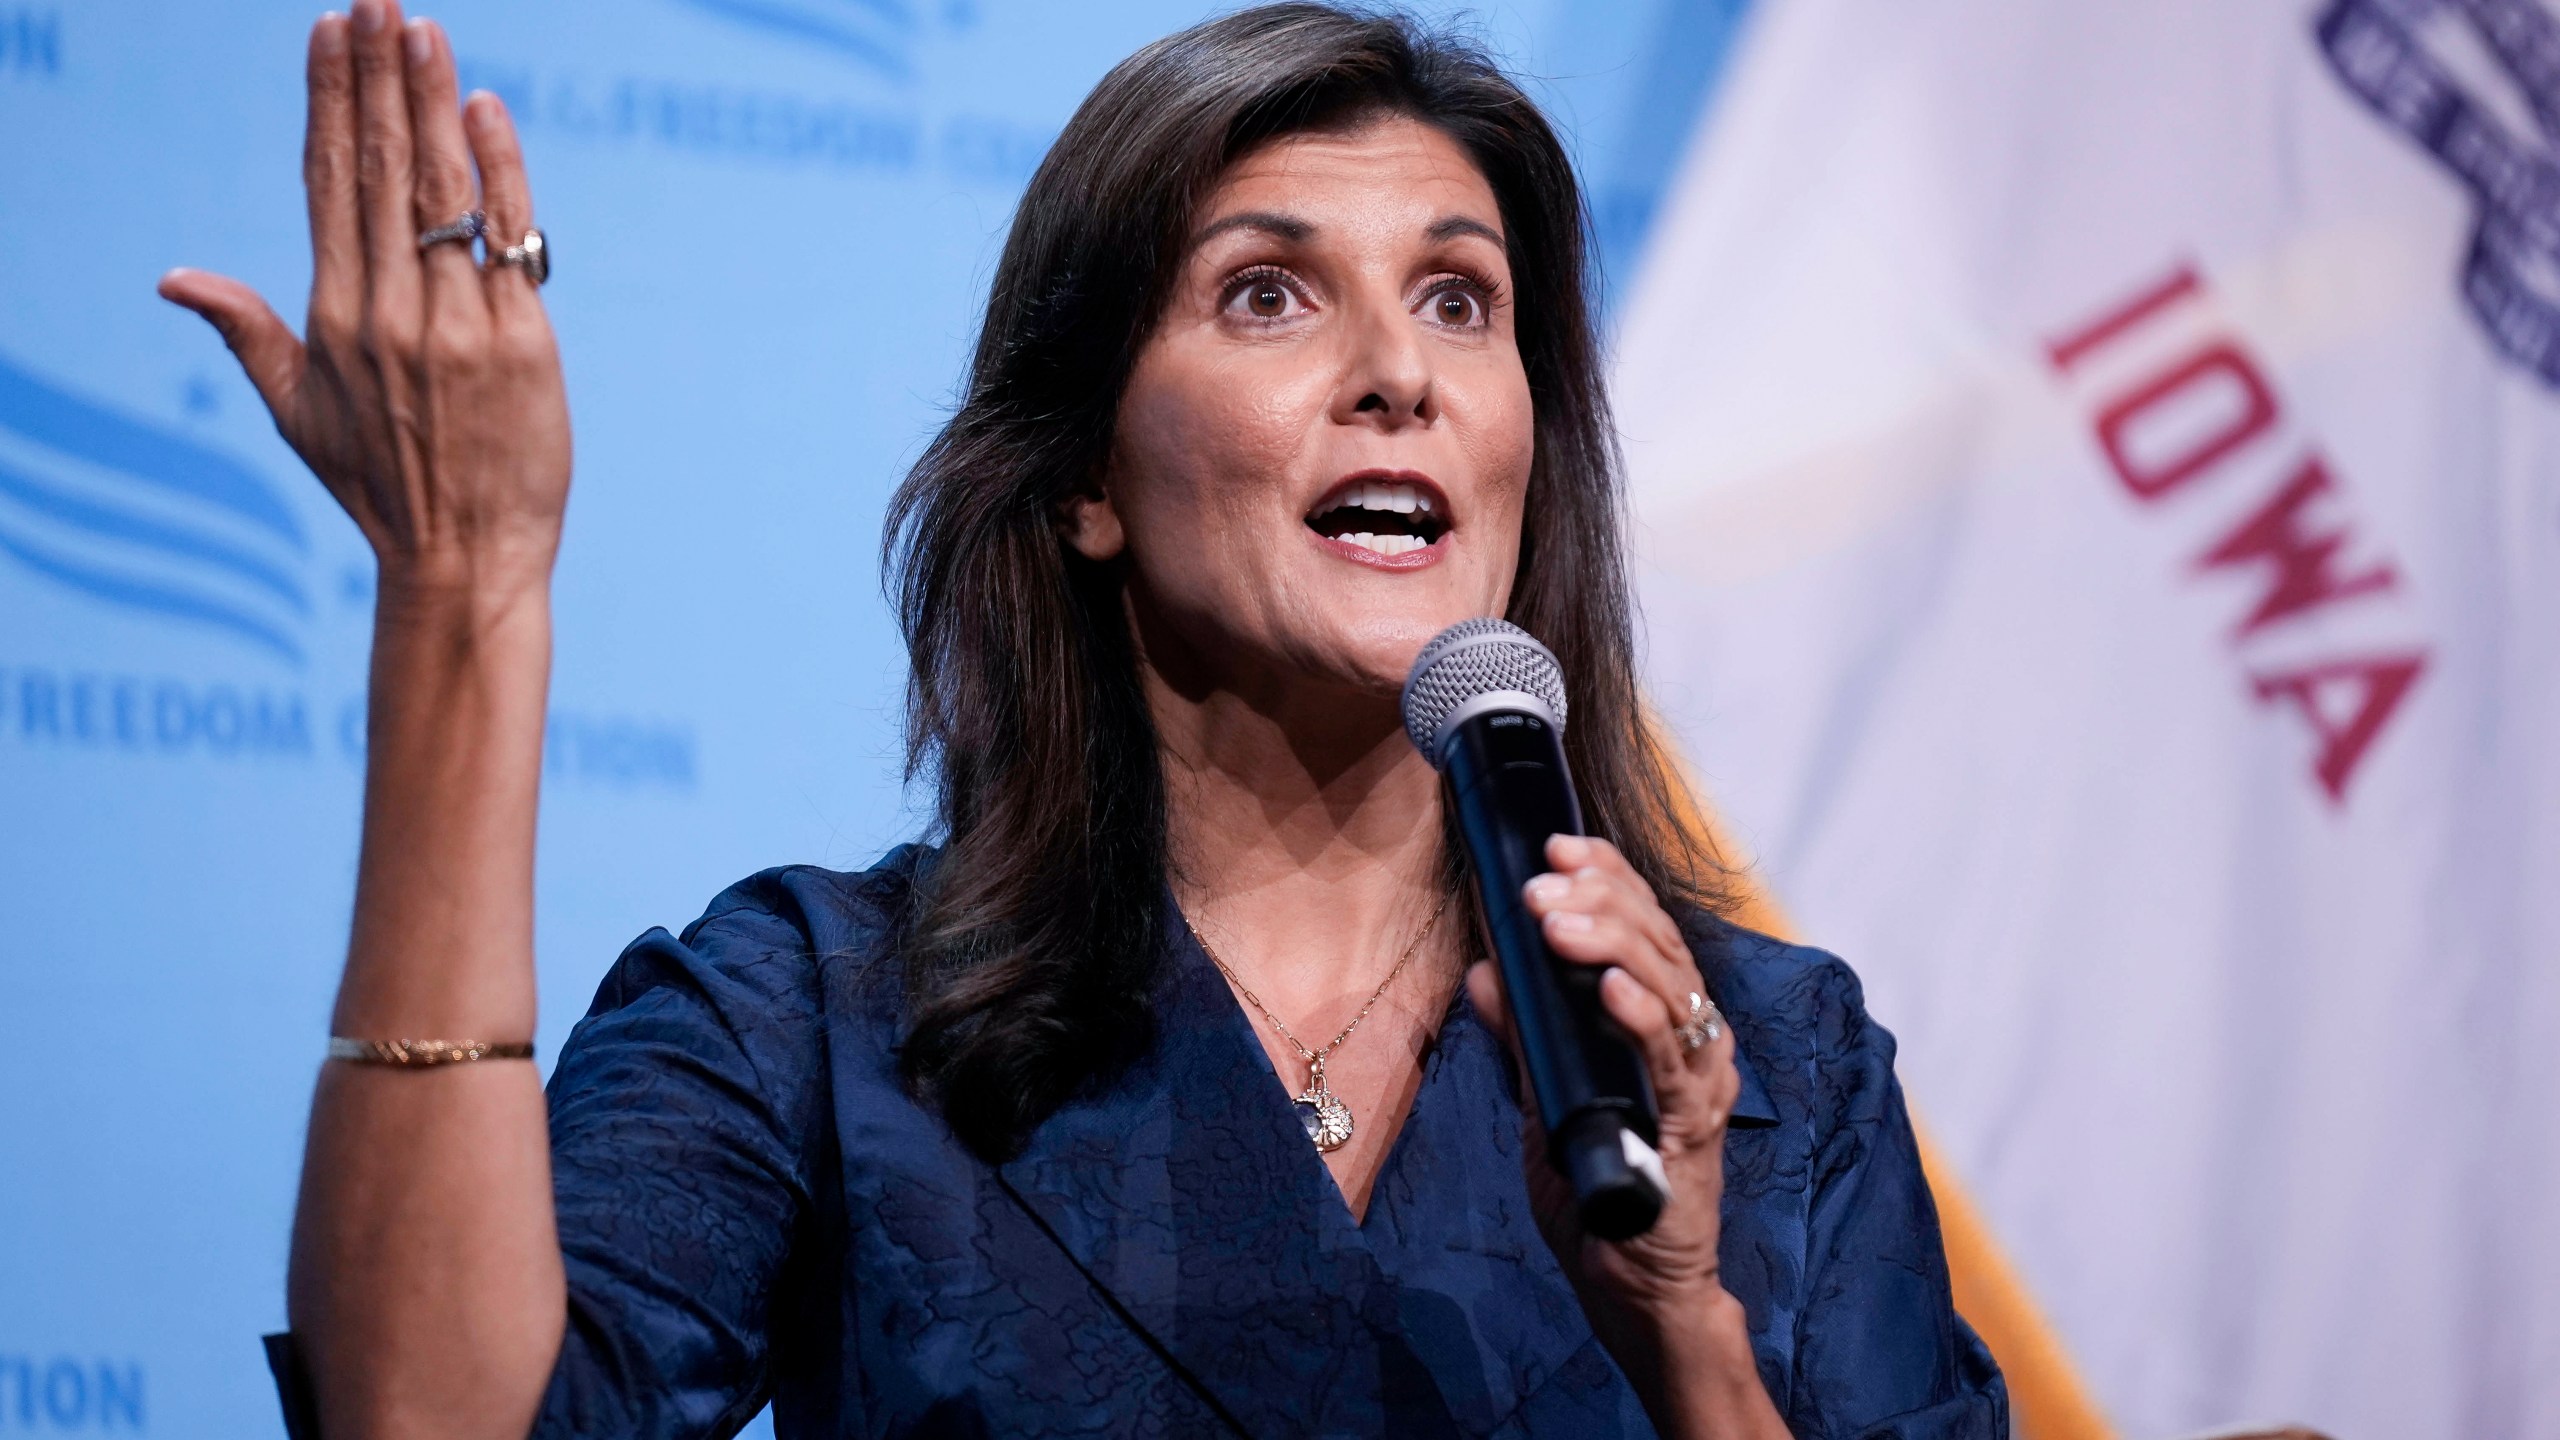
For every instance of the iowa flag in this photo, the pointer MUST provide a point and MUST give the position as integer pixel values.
(2097, 473)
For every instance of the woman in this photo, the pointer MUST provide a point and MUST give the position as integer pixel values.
(1287, 366)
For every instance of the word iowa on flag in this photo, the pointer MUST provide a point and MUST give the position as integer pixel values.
(2178, 405)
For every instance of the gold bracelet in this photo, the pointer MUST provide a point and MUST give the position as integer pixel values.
(426, 1052)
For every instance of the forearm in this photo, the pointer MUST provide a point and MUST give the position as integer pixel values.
(442, 944)
(1693, 1366)
(426, 1284)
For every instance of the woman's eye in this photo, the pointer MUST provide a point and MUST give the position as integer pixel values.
(1456, 307)
(1263, 297)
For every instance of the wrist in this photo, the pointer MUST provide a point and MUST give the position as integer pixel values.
(470, 605)
(447, 581)
(1700, 1319)
(460, 674)
(1703, 1378)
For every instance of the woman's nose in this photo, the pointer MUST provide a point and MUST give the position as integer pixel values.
(1388, 382)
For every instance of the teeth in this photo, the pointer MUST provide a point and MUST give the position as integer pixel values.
(1384, 498)
(1389, 544)
(1395, 499)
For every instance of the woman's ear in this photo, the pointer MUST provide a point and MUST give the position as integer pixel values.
(1089, 522)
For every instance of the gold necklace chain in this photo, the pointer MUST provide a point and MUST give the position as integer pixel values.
(1326, 1118)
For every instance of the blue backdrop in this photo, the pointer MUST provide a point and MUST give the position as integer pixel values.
(774, 221)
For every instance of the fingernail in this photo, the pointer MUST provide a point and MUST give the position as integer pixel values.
(1548, 888)
(419, 42)
(1569, 922)
(1569, 848)
(369, 17)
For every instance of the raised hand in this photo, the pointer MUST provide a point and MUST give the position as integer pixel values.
(1658, 1300)
(426, 1290)
(426, 394)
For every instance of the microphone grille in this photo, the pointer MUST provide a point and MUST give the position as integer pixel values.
(1472, 658)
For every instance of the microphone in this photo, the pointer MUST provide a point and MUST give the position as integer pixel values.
(1485, 704)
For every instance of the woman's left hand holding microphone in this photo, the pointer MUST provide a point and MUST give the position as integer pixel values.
(1657, 1301)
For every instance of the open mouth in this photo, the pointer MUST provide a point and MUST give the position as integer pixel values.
(1388, 517)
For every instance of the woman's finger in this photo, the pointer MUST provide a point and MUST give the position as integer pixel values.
(1581, 854)
(454, 299)
(386, 180)
(1593, 890)
(507, 198)
(1602, 883)
(1587, 922)
(1698, 1088)
(264, 344)
(329, 183)
(1634, 1006)
(1607, 940)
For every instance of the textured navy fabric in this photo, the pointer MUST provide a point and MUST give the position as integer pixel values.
(751, 1206)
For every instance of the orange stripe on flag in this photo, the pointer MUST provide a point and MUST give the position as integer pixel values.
(2047, 1400)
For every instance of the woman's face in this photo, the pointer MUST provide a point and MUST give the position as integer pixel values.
(1323, 450)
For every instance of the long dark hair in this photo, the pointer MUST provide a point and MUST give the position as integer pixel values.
(1033, 946)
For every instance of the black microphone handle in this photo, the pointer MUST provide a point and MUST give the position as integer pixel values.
(1510, 789)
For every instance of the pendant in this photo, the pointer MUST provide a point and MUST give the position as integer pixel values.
(1326, 1118)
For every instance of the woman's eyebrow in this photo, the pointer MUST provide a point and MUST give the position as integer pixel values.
(1271, 222)
(1449, 227)
(1296, 231)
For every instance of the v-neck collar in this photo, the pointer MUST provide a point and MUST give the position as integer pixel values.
(1187, 1193)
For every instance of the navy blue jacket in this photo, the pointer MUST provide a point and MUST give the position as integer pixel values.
(752, 1206)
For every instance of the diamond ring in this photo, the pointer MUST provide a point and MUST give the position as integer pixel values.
(465, 229)
(1704, 1024)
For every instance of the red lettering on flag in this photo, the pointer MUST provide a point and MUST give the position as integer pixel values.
(2255, 418)
(2374, 688)
(2282, 534)
(2066, 352)
(2346, 702)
